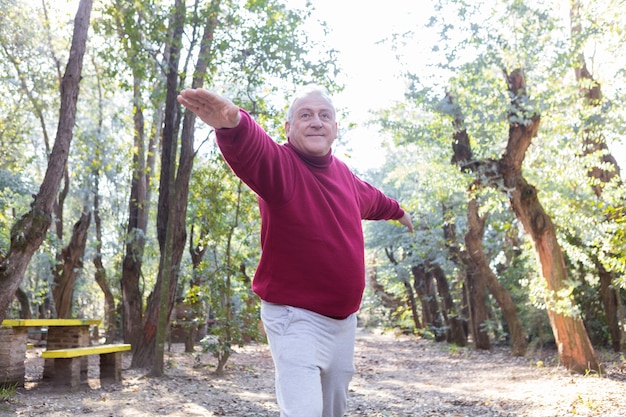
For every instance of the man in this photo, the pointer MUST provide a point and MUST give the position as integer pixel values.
(311, 274)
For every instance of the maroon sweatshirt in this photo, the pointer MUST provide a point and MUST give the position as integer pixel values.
(311, 211)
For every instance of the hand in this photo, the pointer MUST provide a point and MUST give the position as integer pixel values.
(211, 108)
(406, 221)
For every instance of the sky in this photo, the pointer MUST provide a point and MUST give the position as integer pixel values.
(371, 71)
(371, 74)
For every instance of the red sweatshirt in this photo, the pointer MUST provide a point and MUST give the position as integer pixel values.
(311, 211)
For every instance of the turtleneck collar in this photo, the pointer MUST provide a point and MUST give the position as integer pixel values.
(316, 161)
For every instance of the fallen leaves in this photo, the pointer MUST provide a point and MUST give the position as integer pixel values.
(399, 376)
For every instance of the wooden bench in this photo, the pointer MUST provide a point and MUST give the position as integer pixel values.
(67, 365)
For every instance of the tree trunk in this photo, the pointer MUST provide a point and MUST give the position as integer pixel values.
(173, 195)
(139, 201)
(610, 300)
(72, 256)
(196, 253)
(29, 231)
(22, 298)
(136, 229)
(477, 305)
(572, 340)
(423, 285)
(473, 241)
(151, 342)
(407, 286)
(455, 332)
(412, 304)
(101, 275)
(573, 343)
(474, 290)
(59, 218)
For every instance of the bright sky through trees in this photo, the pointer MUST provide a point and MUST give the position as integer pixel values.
(361, 30)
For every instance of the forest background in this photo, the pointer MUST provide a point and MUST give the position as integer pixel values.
(115, 203)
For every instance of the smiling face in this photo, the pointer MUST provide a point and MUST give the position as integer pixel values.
(311, 127)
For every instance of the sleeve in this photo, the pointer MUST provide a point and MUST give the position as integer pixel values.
(256, 159)
(374, 204)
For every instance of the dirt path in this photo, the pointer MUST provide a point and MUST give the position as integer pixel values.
(396, 376)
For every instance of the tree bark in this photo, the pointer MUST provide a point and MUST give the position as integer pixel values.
(72, 262)
(423, 285)
(101, 275)
(477, 304)
(380, 291)
(29, 231)
(455, 332)
(574, 346)
(474, 289)
(22, 298)
(150, 347)
(174, 190)
(473, 242)
(139, 201)
(573, 343)
(196, 253)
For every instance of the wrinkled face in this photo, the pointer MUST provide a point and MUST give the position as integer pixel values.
(312, 128)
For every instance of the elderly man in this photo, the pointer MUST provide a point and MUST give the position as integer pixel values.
(311, 275)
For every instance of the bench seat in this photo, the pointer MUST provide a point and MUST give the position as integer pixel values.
(83, 351)
(67, 369)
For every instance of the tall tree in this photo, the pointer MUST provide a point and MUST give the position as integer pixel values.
(138, 30)
(29, 231)
(172, 199)
(473, 241)
(574, 346)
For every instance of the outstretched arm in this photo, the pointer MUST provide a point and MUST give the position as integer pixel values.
(215, 110)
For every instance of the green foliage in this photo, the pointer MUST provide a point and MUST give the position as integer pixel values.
(223, 213)
(468, 63)
(15, 194)
(7, 392)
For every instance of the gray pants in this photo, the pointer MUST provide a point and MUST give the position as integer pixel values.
(314, 360)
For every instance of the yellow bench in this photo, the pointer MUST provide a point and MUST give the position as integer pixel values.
(49, 322)
(67, 364)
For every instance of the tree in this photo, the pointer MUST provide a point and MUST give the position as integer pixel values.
(473, 242)
(173, 196)
(513, 35)
(72, 257)
(138, 30)
(29, 231)
(573, 343)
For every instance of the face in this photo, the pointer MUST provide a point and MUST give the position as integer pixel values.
(312, 128)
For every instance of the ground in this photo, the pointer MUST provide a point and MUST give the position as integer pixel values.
(396, 376)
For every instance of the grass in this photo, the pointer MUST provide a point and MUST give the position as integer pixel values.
(7, 392)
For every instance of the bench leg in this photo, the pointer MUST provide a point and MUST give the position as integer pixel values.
(67, 372)
(110, 367)
(12, 355)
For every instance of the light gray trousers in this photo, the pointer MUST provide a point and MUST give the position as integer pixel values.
(313, 357)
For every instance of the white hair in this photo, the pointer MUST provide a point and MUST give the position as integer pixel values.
(307, 90)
